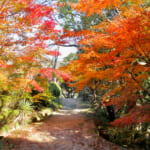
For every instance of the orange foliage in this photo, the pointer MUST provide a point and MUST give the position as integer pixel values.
(23, 32)
(118, 53)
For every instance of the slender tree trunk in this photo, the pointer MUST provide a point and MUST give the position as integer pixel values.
(111, 113)
(55, 60)
(64, 94)
(95, 103)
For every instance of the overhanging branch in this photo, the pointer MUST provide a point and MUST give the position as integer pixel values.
(69, 45)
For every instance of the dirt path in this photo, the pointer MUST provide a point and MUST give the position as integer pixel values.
(68, 129)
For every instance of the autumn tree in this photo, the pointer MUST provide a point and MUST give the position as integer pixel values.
(115, 63)
(26, 27)
(117, 56)
(67, 91)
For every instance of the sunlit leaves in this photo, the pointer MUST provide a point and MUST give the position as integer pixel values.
(25, 28)
(116, 52)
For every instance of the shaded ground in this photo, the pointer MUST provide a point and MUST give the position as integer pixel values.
(68, 129)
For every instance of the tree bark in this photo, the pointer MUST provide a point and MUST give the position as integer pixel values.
(111, 113)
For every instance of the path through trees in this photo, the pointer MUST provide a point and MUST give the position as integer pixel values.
(67, 129)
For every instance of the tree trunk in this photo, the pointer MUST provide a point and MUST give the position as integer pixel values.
(111, 113)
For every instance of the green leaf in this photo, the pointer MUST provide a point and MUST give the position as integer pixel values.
(6, 128)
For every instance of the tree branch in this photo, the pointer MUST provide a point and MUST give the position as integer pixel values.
(10, 15)
(132, 76)
(70, 45)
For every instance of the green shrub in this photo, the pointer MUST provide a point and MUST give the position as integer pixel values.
(49, 98)
(14, 107)
(55, 89)
(129, 136)
(42, 100)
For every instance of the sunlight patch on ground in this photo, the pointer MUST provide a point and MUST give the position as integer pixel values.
(70, 112)
(62, 113)
(41, 139)
(87, 137)
(81, 110)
